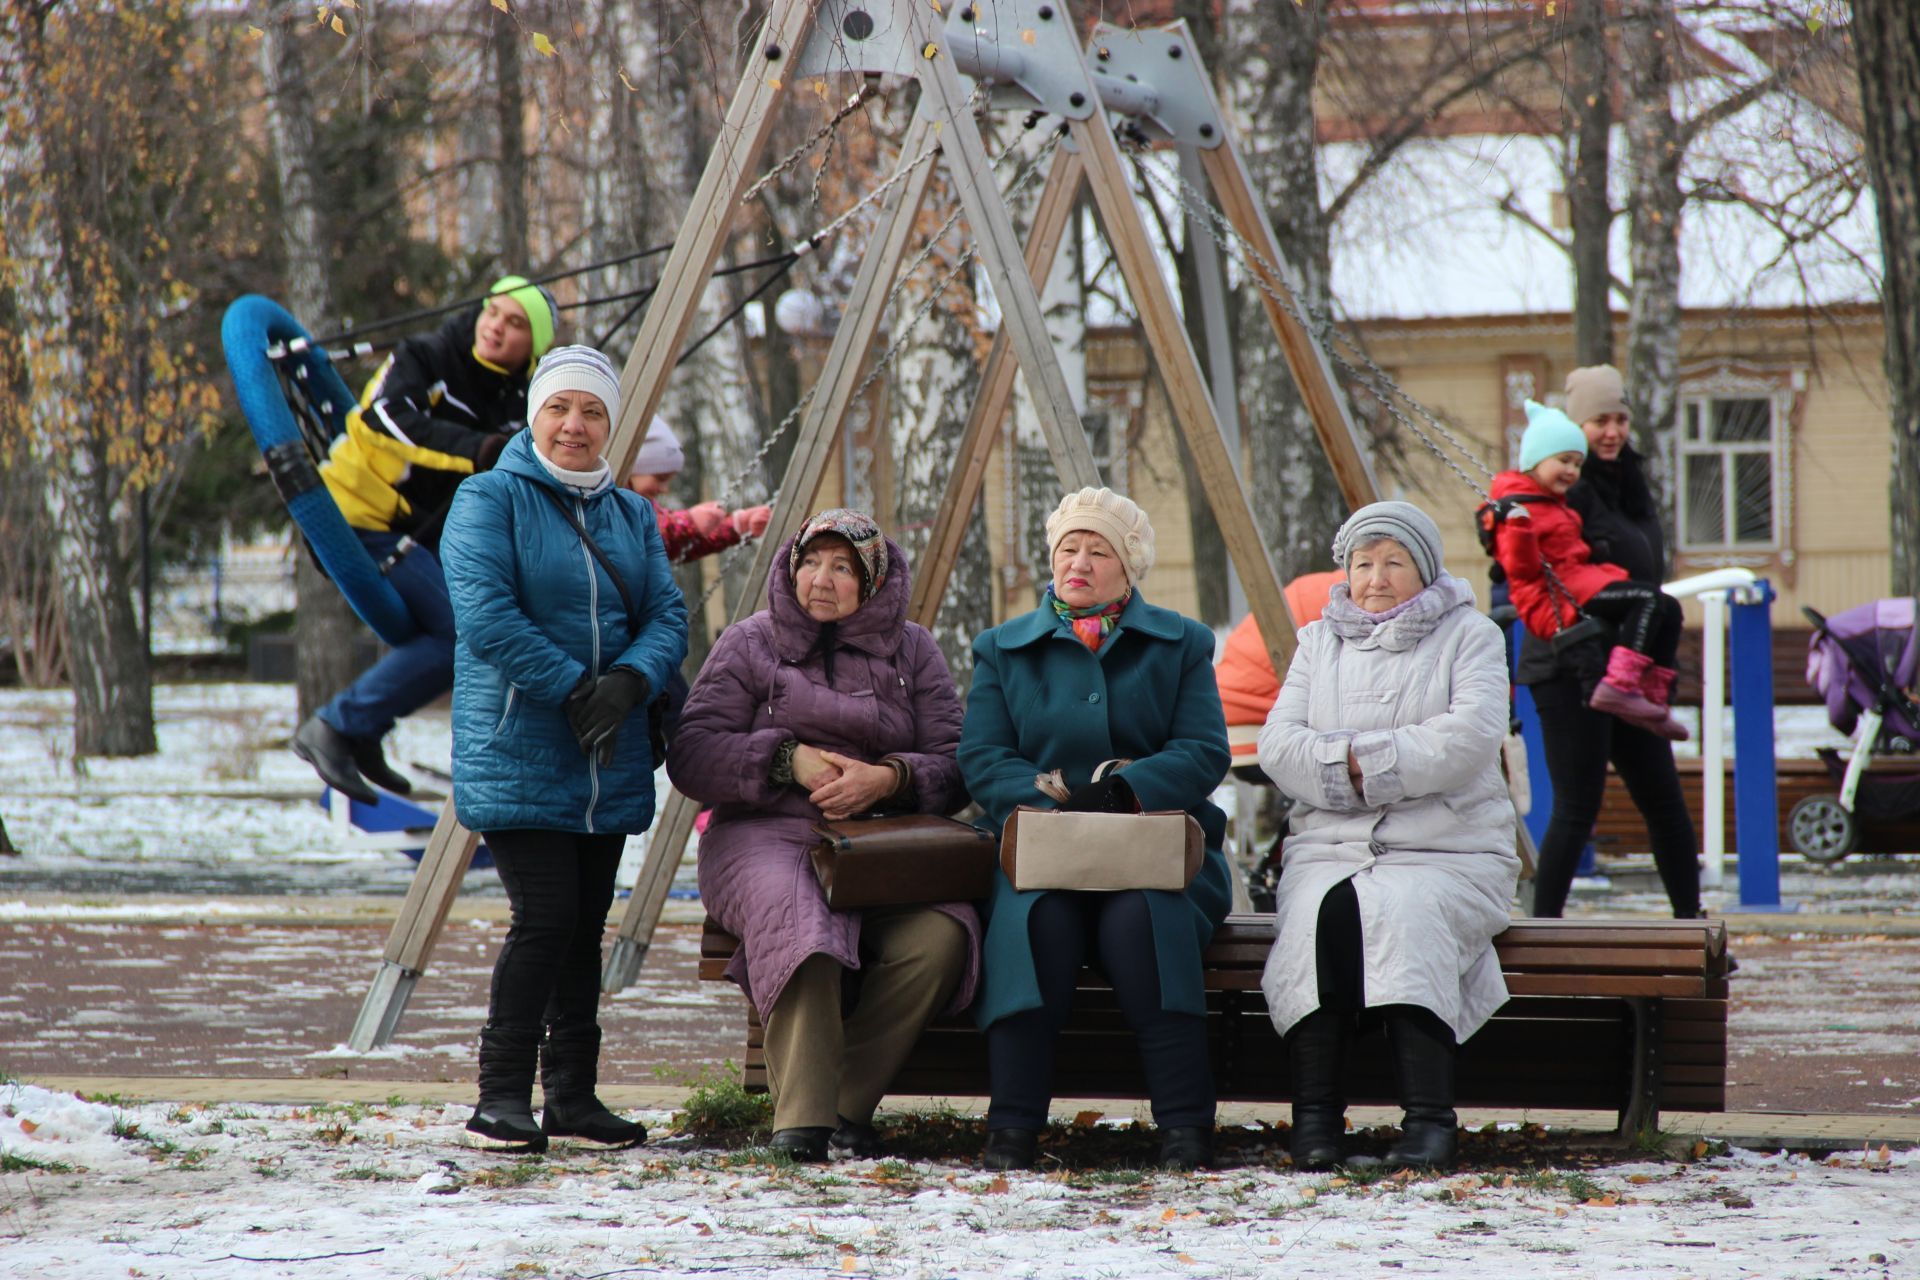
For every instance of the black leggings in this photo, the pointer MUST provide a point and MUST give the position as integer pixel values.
(1579, 742)
(1648, 620)
(1115, 931)
(560, 885)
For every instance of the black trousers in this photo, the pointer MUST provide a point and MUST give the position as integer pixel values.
(1647, 619)
(1579, 742)
(1115, 932)
(560, 885)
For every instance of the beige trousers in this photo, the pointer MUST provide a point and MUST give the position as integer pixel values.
(822, 1068)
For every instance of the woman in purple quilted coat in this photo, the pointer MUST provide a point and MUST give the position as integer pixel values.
(828, 704)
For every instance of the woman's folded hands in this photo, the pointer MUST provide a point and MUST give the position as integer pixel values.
(842, 786)
(597, 708)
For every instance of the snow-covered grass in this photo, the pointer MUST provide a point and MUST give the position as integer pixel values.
(108, 1188)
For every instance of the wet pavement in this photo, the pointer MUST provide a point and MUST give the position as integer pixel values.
(1818, 1024)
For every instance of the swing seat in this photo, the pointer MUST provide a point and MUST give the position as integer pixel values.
(251, 325)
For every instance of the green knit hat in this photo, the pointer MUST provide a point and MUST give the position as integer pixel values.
(543, 315)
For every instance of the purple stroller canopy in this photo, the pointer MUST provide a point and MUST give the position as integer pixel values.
(1879, 635)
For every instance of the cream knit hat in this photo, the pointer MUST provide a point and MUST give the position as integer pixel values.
(1595, 390)
(1117, 519)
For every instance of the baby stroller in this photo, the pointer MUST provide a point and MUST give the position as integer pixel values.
(1862, 662)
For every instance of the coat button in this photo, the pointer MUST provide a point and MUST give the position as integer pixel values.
(1093, 697)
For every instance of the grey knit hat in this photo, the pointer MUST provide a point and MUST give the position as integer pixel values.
(1405, 523)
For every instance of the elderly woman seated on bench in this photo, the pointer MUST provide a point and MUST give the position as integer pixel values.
(829, 704)
(1401, 867)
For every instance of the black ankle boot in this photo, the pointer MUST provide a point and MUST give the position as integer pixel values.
(862, 1141)
(373, 766)
(503, 1117)
(1317, 1050)
(1184, 1148)
(803, 1145)
(1011, 1149)
(1423, 1059)
(569, 1068)
(331, 755)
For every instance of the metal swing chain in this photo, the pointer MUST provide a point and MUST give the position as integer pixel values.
(854, 102)
(1320, 326)
(893, 350)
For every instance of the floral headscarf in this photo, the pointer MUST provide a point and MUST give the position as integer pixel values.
(858, 528)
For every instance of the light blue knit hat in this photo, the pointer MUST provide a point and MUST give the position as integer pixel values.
(1548, 432)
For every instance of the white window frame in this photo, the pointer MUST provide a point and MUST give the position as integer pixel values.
(1700, 394)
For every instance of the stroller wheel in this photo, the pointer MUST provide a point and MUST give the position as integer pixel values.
(1821, 830)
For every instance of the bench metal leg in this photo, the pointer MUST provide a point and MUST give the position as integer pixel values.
(1640, 1118)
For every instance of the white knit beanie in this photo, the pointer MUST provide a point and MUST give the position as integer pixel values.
(660, 453)
(1117, 519)
(574, 368)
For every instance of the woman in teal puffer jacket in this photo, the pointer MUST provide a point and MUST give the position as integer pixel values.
(568, 624)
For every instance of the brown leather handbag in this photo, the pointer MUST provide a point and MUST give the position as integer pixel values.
(1052, 849)
(908, 860)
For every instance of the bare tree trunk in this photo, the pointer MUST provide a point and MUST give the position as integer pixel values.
(1274, 52)
(1654, 203)
(510, 113)
(324, 626)
(1590, 207)
(112, 685)
(934, 383)
(1886, 41)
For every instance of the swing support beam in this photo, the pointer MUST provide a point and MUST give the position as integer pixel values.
(1026, 54)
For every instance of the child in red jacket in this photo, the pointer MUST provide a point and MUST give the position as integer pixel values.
(699, 530)
(1540, 543)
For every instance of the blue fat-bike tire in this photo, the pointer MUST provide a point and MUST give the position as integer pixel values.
(251, 325)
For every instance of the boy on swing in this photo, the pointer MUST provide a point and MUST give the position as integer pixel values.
(1540, 543)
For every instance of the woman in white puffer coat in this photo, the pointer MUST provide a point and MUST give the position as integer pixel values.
(1400, 867)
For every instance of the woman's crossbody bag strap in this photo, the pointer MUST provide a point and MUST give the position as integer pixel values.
(593, 548)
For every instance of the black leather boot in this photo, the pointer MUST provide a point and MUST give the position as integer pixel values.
(1011, 1149)
(1423, 1060)
(504, 1117)
(373, 766)
(331, 754)
(1184, 1148)
(1317, 1050)
(861, 1141)
(569, 1068)
(806, 1144)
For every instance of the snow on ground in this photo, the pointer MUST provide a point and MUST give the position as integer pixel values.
(99, 1189)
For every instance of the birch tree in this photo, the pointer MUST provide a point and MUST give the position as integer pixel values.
(100, 198)
(1886, 41)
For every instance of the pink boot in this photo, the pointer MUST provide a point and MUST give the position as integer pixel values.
(1657, 687)
(1618, 693)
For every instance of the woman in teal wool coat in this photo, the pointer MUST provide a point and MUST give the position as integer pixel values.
(1096, 675)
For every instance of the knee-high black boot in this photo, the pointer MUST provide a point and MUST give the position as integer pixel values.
(569, 1068)
(504, 1116)
(1423, 1057)
(1317, 1050)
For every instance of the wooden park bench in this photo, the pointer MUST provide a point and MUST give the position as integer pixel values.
(1627, 1016)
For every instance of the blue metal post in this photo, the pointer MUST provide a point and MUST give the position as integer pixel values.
(1756, 804)
(1539, 785)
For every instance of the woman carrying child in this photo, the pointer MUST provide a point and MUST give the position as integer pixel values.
(1553, 579)
(1620, 532)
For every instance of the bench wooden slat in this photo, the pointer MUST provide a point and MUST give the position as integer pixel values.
(1565, 1038)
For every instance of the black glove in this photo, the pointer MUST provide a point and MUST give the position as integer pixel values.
(489, 452)
(657, 727)
(1109, 795)
(595, 713)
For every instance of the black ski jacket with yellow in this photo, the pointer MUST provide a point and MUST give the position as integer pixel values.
(419, 428)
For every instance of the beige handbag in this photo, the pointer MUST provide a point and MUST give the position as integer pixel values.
(1049, 849)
